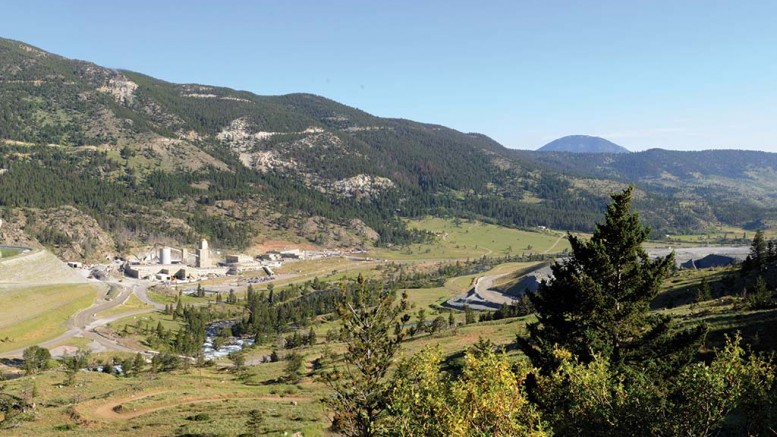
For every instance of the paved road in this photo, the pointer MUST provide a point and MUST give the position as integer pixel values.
(481, 297)
(84, 323)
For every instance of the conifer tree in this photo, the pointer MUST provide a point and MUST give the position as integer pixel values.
(311, 337)
(360, 388)
(597, 302)
(705, 291)
(759, 251)
(138, 364)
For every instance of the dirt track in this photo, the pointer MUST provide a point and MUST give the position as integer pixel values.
(107, 411)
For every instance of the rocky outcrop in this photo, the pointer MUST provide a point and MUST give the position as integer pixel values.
(121, 88)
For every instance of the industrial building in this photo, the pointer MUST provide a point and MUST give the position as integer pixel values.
(167, 264)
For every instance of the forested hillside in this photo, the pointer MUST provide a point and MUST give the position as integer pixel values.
(737, 186)
(151, 160)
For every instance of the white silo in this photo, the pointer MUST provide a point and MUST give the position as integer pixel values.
(165, 256)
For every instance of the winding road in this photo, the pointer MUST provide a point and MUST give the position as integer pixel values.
(84, 323)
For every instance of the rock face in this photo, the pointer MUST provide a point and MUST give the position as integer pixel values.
(361, 186)
(582, 144)
(121, 88)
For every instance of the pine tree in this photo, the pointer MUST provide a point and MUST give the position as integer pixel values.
(759, 297)
(138, 364)
(759, 251)
(420, 325)
(311, 338)
(255, 422)
(705, 292)
(469, 315)
(597, 302)
(293, 370)
(360, 393)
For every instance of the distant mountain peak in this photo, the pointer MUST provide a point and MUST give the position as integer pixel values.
(582, 144)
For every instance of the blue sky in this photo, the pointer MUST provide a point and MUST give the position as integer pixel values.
(677, 74)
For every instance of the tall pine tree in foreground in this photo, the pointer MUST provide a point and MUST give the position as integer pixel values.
(598, 301)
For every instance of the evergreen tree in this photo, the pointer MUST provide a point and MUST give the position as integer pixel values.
(293, 371)
(759, 251)
(178, 309)
(360, 392)
(705, 292)
(74, 363)
(238, 360)
(255, 422)
(138, 364)
(35, 359)
(311, 338)
(469, 315)
(759, 297)
(597, 302)
(270, 290)
(420, 325)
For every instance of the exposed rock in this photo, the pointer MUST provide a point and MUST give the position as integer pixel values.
(362, 185)
(121, 88)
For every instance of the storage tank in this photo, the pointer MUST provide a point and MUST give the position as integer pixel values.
(165, 256)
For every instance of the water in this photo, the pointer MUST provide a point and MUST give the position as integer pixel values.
(233, 344)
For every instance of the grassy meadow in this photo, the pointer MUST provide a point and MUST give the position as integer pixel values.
(470, 239)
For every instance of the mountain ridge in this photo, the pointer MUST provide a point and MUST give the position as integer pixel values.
(582, 144)
(151, 160)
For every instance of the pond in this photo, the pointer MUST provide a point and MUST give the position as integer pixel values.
(9, 251)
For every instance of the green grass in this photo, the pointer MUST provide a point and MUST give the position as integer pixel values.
(717, 235)
(105, 405)
(31, 315)
(170, 296)
(131, 304)
(474, 239)
(7, 252)
(151, 319)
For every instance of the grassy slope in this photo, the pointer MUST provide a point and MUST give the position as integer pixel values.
(474, 239)
(34, 314)
(38, 293)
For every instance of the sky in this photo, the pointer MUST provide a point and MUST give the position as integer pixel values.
(676, 74)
